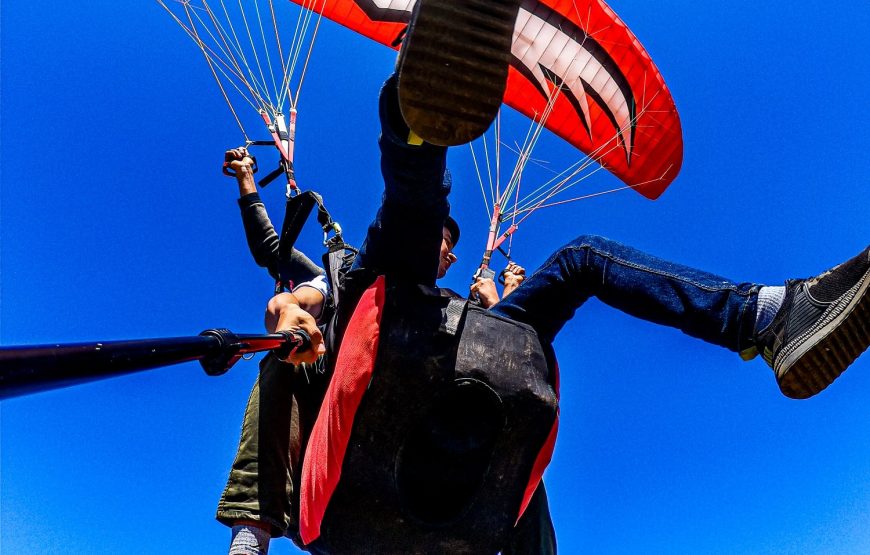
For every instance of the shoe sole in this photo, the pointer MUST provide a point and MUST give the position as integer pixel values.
(813, 363)
(453, 67)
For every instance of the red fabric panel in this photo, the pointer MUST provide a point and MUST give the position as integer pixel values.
(541, 462)
(321, 469)
(644, 150)
(544, 456)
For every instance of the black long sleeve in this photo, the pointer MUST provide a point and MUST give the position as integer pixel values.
(263, 244)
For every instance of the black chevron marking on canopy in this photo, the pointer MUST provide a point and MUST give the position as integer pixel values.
(384, 15)
(576, 34)
(565, 90)
(587, 43)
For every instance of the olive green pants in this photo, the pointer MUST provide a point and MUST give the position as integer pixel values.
(281, 410)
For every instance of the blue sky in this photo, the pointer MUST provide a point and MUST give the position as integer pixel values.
(116, 223)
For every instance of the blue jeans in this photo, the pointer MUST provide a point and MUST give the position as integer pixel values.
(698, 303)
(403, 242)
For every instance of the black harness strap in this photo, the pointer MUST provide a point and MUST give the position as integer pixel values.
(296, 213)
(339, 255)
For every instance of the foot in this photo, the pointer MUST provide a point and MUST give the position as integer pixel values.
(453, 67)
(250, 538)
(821, 328)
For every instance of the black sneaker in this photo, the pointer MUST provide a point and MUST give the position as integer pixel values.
(822, 327)
(453, 67)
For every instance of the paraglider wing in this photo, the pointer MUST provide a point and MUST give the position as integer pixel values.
(611, 102)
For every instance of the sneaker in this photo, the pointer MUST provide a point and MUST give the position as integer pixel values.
(821, 328)
(453, 67)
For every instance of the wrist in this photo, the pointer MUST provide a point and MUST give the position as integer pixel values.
(245, 179)
(244, 174)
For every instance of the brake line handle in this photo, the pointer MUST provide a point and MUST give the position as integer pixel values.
(227, 170)
(483, 272)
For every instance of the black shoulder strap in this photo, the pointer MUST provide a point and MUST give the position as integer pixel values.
(296, 213)
(339, 255)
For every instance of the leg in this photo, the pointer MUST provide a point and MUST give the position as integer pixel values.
(818, 330)
(700, 304)
(453, 67)
(404, 240)
(260, 485)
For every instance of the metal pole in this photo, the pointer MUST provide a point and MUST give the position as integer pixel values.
(31, 369)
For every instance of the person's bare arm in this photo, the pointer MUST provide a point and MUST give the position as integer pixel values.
(285, 313)
(310, 300)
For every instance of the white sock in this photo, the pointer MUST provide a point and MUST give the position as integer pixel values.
(249, 540)
(769, 301)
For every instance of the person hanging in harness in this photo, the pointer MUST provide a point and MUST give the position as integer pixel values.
(260, 499)
(808, 330)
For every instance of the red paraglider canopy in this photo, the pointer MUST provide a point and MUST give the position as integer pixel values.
(612, 101)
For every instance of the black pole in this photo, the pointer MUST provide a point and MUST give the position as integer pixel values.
(31, 369)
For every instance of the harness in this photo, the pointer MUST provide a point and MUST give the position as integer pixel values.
(437, 424)
(438, 419)
(339, 254)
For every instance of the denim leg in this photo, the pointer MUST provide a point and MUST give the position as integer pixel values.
(404, 240)
(700, 304)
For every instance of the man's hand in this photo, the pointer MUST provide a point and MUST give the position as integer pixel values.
(238, 160)
(284, 313)
(513, 275)
(242, 164)
(485, 291)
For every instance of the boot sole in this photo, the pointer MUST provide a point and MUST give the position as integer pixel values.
(813, 364)
(453, 67)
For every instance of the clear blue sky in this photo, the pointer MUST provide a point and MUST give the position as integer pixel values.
(116, 223)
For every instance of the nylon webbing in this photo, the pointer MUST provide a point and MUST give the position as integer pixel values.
(452, 315)
(295, 215)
